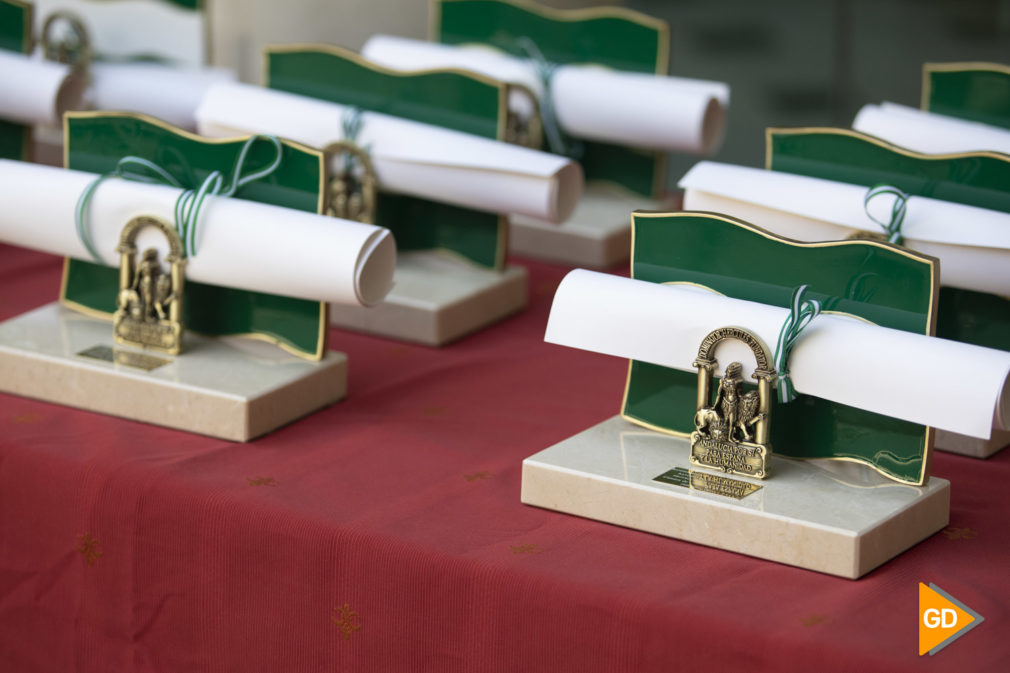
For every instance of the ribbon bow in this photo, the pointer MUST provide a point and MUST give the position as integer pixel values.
(893, 227)
(802, 312)
(552, 128)
(190, 201)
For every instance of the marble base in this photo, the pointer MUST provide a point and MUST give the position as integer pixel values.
(597, 235)
(437, 298)
(951, 442)
(830, 516)
(231, 388)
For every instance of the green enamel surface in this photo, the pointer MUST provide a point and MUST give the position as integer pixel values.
(15, 32)
(977, 95)
(15, 27)
(188, 4)
(446, 227)
(847, 156)
(95, 144)
(974, 317)
(633, 169)
(13, 141)
(865, 280)
(446, 99)
(613, 41)
(972, 179)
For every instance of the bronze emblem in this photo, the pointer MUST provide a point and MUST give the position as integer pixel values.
(70, 45)
(149, 304)
(525, 132)
(731, 431)
(353, 190)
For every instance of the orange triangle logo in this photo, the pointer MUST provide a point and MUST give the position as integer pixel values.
(942, 619)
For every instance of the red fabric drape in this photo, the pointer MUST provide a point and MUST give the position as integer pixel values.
(385, 533)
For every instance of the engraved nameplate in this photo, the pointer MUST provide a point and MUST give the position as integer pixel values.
(708, 483)
(736, 457)
(125, 358)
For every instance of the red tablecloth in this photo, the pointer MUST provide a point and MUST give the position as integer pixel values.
(386, 533)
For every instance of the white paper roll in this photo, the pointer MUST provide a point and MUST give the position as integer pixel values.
(240, 244)
(972, 244)
(410, 158)
(592, 102)
(946, 384)
(33, 91)
(168, 93)
(927, 132)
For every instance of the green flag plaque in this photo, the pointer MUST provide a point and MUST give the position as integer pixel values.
(978, 92)
(456, 100)
(96, 141)
(973, 178)
(869, 280)
(612, 37)
(15, 35)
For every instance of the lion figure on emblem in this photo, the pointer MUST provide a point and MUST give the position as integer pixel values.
(734, 412)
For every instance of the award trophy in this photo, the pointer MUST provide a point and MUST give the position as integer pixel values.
(418, 152)
(215, 320)
(600, 94)
(832, 472)
(823, 184)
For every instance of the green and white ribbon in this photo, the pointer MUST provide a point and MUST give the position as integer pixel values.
(552, 128)
(802, 312)
(351, 124)
(189, 203)
(893, 227)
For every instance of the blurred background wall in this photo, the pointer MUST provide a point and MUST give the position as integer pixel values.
(789, 62)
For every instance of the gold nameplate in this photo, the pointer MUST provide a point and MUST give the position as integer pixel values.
(149, 305)
(720, 485)
(715, 484)
(126, 358)
(731, 431)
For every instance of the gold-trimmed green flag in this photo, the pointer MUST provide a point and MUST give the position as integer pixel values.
(96, 141)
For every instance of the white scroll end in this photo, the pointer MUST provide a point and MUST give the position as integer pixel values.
(373, 275)
(713, 127)
(566, 192)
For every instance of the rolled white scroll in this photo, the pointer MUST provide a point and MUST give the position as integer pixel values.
(168, 93)
(240, 244)
(927, 132)
(410, 158)
(972, 244)
(33, 91)
(592, 102)
(946, 384)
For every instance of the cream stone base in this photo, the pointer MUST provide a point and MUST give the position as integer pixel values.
(232, 388)
(833, 517)
(597, 235)
(951, 442)
(437, 298)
